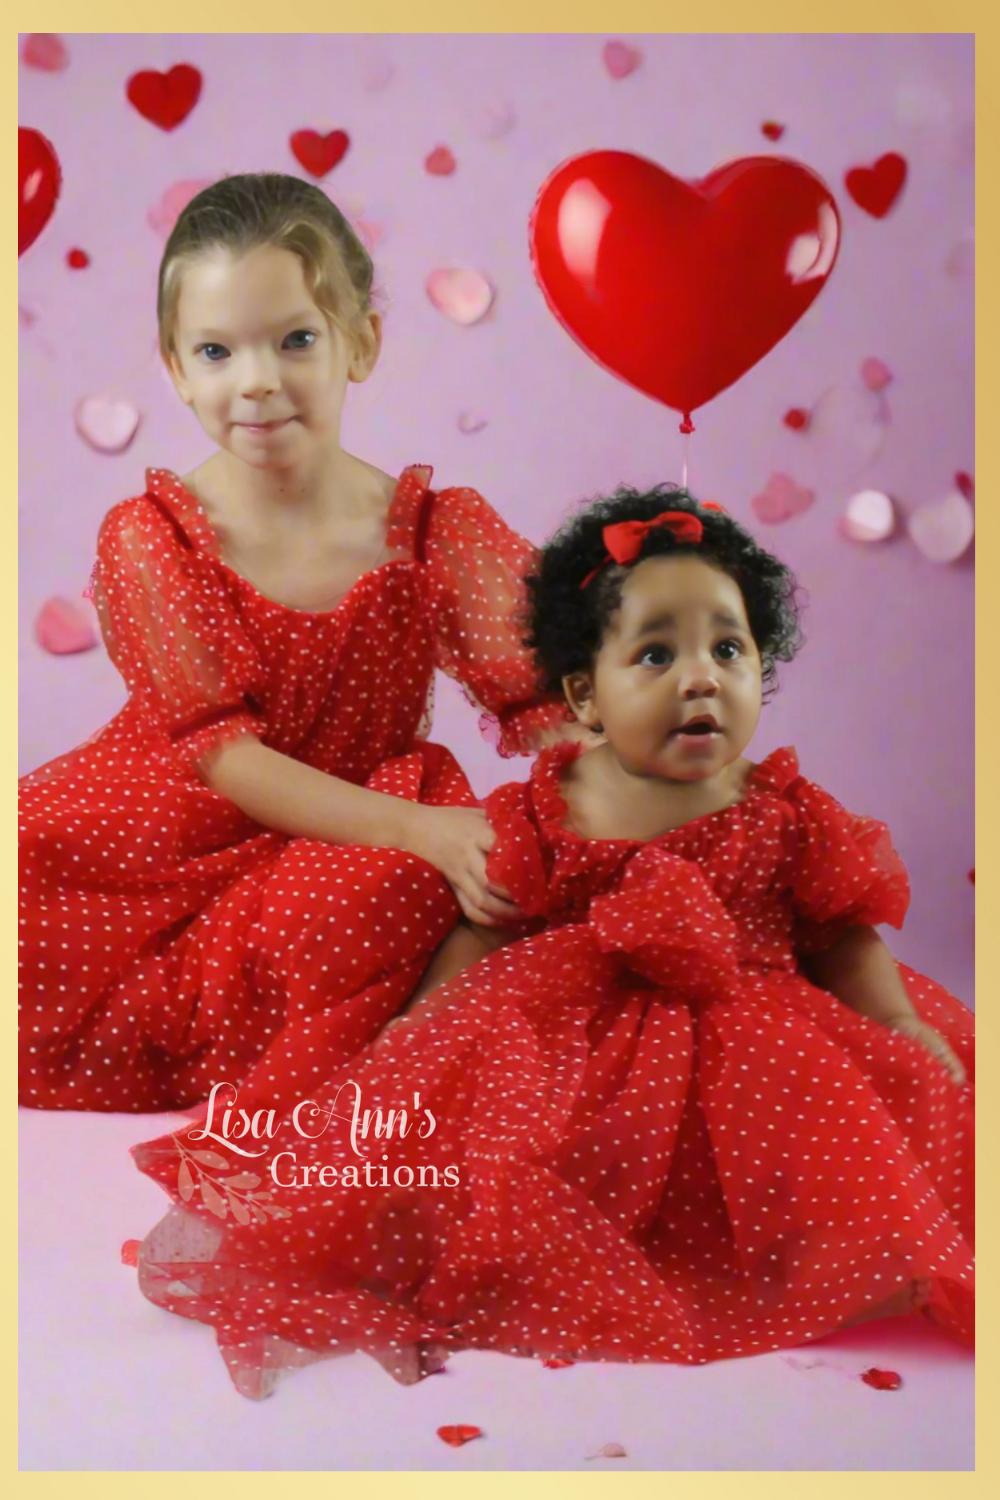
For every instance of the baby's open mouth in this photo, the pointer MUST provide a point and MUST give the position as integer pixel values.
(701, 726)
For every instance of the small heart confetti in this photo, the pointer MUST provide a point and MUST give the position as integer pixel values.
(558, 1364)
(319, 154)
(440, 163)
(869, 517)
(875, 189)
(781, 499)
(78, 260)
(960, 264)
(848, 427)
(457, 1437)
(470, 422)
(875, 374)
(772, 130)
(62, 628)
(130, 1252)
(943, 530)
(965, 485)
(463, 296)
(164, 215)
(490, 119)
(26, 316)
(45, 51)
(610, 1450)
(972, 876)
(882, 1380)
(106, 424)
(165, 99)
(620, 59)
(797, 418)
(379, 72)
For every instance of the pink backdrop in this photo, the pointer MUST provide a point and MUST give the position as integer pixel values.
(879, 704)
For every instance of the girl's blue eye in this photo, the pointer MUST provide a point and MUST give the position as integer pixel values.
(205, 348)
(305, 333)
(729, 650)
(215, 353)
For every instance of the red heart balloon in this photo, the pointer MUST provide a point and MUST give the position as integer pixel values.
(39, 179)
(319, 154)
(680, 287)
(165, 99)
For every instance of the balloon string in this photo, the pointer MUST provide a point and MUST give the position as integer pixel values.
(686, 429)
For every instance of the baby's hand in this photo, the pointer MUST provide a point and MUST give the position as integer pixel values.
(919, 1031)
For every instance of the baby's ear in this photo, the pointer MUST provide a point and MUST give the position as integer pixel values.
(579, 690)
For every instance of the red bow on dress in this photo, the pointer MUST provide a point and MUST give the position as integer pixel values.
(624, 540)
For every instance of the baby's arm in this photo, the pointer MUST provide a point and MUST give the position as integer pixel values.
(462, 948)
(861, 972)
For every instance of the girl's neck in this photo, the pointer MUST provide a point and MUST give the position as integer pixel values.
(334, 485)
(608, 801)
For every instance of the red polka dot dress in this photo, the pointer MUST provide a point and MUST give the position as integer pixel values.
(168, 941)
(653, 1139)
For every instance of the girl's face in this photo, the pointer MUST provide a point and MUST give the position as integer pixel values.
(264, 370)
(676, 684)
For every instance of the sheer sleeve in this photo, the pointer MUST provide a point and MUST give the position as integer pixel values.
(475, 568)
(172, 633)
(847, 872)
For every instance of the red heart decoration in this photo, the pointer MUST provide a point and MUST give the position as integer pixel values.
(680, 287)
(882, 1380)
(772, 130)
(78, 260)
(130, 1252)
(165, 99)
(875, 189)
(319, 154)
(39, 180)
(456, 1437)
(440, 163)
(797, 418)
(45, 51)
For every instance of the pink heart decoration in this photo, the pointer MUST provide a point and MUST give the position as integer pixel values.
(26, 316)
(620, 59)
(960, 264)
(379, 72)
(470, 422)
(440, 163)
(463, 296)
(490, 119)
(869, 517)
(781, 499)
(106, 424)
(62, 628)
(875, 374)
(848, 427)
(45, 51)
(164, 215)
(943, 530)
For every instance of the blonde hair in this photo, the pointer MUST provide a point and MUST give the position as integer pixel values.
(243, 212)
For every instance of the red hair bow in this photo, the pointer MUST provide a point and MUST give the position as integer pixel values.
(624, 541)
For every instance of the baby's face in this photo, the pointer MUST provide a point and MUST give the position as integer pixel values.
(676, 684)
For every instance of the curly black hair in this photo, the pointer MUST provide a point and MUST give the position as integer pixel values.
(566, 623)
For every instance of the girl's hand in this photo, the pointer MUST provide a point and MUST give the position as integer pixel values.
(919, 1031)
(456, 841)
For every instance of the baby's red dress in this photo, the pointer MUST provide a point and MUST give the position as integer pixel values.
(167, 940)
(653, 1138)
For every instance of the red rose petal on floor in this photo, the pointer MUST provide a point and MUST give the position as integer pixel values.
(796, 418)
(130, 1252)
(440, 163)
(965, 484)
(882, 1380)
(457, 1437)
(772, 130)
(557, 1364)
(78, 260)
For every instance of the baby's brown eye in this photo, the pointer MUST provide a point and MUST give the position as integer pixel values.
(655, 656)
(728, 650)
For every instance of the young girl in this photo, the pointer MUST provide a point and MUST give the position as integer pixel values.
(213, 872)
(700, 1113)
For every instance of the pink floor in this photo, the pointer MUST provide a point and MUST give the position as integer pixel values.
(109, 1382)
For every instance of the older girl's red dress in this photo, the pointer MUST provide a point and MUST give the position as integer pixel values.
(167, 940)
(653, 1138)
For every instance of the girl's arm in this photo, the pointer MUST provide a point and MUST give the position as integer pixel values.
(861, 972)
(290, 797)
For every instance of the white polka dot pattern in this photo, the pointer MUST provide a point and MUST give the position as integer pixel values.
(669, 1145)
(166, 940)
